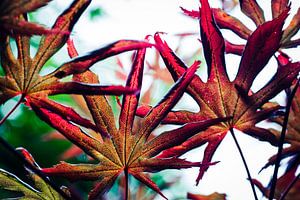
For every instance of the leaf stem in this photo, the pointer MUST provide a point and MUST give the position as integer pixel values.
(281, 141)
(12, 110)
(286, 191)
(126, 184)
(7, 146)
(245, 163)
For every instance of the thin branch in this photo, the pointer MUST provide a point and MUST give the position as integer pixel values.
(32, 168)
(12, 110)
(245, 163)
(286, 191)
(281, 141)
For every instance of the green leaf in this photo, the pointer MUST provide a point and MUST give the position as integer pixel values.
(42, 190)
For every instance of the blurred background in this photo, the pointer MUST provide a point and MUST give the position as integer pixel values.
(107, 21)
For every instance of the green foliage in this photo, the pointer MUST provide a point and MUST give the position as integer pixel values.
(41, 190)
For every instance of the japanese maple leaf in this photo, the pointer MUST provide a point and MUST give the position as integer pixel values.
(124, 148)
(252, 9)
(12, 17)
(22, 73)
(220, 97)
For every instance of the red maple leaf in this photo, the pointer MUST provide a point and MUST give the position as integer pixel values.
(220, 97)
(128, 148)
(252, 9)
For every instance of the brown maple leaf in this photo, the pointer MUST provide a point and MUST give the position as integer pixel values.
(125, 147)
(252, 9)
(220, 97)
(22, 73)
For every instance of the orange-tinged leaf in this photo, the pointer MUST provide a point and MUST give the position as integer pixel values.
(99, 107)
(292, 28)
(253, 11)
(129, 148)
(278, 6)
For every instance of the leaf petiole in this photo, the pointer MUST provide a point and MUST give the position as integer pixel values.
(12, 110)
(245, 163)
(126, 184)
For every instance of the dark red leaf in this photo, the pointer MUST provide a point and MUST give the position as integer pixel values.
(219, 97)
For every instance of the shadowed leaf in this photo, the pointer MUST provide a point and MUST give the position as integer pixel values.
(41, 189)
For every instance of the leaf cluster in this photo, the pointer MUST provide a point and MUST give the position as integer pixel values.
(125, 145)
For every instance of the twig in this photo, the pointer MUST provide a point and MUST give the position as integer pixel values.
(281, 141)
(245, 163)
(32, 168)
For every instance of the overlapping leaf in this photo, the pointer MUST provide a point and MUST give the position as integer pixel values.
(12, 17)
(22, 73)
(220, 97)
(41, 189)
(252, 9)
(128, 148)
